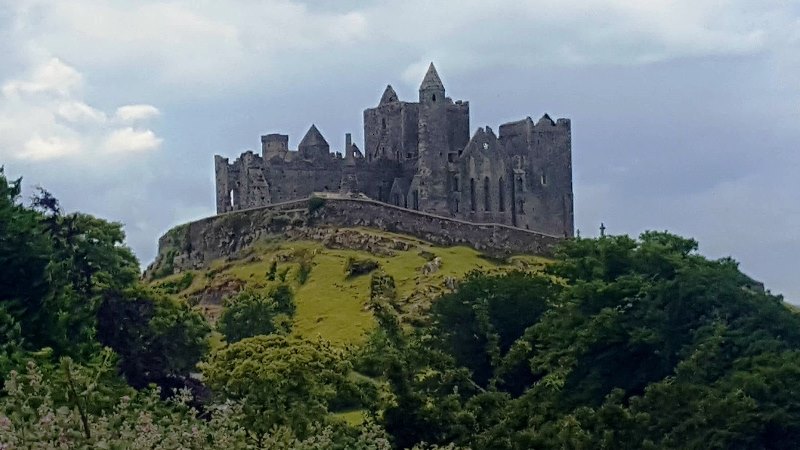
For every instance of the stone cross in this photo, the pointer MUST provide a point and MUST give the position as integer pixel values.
(602, 229)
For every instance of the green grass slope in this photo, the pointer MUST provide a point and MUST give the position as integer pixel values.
(329, 303)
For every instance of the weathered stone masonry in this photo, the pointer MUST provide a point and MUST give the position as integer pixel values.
(419, 155)
(197, 244)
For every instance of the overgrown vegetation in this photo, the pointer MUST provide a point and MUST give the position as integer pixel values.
(618, 343)
(315, 204)
(354, 267)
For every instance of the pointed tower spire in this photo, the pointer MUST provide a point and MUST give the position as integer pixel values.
(389, 95)
(431, 80)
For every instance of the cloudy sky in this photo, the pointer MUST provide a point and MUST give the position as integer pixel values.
(685, 113)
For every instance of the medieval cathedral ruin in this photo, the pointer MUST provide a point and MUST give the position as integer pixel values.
(419, 156)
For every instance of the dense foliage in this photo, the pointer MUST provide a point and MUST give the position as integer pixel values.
(253, 313)
(619, 343)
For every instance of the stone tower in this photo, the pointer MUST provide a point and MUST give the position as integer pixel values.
(431, 177)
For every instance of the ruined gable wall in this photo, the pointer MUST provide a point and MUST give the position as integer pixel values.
(479, 172)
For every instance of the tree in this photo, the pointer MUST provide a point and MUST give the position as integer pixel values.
(156, 337)
(251, 314)
(479, 322)
(282, 381)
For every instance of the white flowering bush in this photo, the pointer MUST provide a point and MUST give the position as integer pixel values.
(32, 418)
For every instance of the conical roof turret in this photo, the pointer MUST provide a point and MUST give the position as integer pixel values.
(431, 80)
(389, 95)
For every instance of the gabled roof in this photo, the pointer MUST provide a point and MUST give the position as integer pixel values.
(313, 138)
(389, 95)
(431, 80)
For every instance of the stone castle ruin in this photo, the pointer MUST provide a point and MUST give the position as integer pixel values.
(419, 156)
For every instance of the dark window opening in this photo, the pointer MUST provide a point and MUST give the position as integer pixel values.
(521, 207)
(501, 196)
(455, 205)
(519, 184)
(383, 123)
(544, 178)
(472, 193)
(433, 97)
(486, 195)
(455, 183)
(416, 200)
(451, 157)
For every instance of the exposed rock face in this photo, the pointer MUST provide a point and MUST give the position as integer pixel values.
(197, 244)
(431, 266)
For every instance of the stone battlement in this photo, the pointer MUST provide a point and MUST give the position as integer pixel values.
(196, 244)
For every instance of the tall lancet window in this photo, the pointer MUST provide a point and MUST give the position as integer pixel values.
(472, 193)
(487, 195)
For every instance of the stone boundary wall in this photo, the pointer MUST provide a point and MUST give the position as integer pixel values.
(194, 245)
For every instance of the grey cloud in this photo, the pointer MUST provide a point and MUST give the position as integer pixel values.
(697, 137)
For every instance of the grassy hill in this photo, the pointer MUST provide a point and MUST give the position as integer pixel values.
(330, 303)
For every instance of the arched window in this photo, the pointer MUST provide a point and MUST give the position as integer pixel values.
(501, 197)
(487, 195)
(455, 205)
(433, 97)
(472, 193)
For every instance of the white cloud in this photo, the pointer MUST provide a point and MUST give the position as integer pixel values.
(52, 77)
(79, 112)
(44, 117)
(185, 45)
(40, 149)
(128, 140)
(133, 113)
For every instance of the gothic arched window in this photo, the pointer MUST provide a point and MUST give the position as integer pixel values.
(487, 195)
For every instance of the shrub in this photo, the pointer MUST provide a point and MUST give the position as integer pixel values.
(359, 266)
(181, 284)
(315, 203)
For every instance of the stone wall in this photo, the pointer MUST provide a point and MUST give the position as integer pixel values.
(196, 244)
